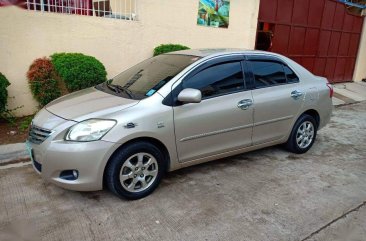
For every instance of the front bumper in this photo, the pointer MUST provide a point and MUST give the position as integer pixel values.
(51, 155)
(88, 158)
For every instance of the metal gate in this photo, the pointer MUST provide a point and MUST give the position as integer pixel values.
(318, 34)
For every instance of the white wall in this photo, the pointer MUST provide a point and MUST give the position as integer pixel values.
(360, 69)
(118, 44)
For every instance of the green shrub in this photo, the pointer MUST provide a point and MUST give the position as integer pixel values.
(24, 125)
(4, 83)
(79, 71)
(42, 80)
(166, 48)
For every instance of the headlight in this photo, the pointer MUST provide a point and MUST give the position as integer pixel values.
(89, 130)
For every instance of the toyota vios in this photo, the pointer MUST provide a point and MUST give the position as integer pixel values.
(173, 111)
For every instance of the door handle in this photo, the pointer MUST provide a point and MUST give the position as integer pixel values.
(296, 94)
(244, 104)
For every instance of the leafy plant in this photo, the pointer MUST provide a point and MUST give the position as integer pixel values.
(4, 83)
(25, 123)
(9, 116)
(166, 48)
(79, 71)
(42, 80)
(5, 113)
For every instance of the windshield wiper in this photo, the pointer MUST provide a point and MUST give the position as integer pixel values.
(118, 89)
(127, 91)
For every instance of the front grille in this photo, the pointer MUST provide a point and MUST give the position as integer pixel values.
(37, 135)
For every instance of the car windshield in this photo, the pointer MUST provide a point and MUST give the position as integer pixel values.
(147, 77)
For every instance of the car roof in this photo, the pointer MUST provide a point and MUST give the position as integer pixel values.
(217, 52)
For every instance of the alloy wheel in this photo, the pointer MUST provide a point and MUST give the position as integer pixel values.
(138, 172)
(305, 134)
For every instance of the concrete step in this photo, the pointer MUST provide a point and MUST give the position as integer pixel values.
(11, 152)
(354, 91)
(337, 101)
(357, 87)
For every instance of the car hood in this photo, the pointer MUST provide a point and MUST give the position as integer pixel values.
(88, 103)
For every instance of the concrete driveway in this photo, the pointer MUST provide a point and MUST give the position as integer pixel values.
(268, 194)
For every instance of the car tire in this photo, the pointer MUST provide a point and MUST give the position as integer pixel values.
(303, 135)
(135, 170)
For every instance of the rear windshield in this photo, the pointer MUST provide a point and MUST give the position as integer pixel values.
(147, 77)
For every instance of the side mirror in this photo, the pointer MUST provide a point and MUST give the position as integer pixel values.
(190, 96)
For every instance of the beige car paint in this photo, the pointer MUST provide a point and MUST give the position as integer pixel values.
(275, 111)
(192, 133)
(88, 103)
(201, 130)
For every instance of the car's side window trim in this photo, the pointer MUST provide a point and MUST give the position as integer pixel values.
(212, 62)
(263, 58)
(248, 76)
(170, 99)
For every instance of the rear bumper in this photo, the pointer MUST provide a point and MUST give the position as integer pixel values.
(325, 113)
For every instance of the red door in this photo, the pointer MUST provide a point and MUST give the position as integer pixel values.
(318, 34)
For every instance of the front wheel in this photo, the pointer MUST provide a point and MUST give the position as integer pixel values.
(135, 170)
(303, 135)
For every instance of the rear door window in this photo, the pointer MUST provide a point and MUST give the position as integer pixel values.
(290, 75)
(268, 73)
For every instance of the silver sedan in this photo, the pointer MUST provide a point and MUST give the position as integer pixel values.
(173, 111)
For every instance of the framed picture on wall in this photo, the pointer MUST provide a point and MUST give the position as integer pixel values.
(213, 13)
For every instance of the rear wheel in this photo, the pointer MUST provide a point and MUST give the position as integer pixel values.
(302, 135)
(135, 170)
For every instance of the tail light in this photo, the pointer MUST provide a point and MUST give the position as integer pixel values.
(331, 91)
